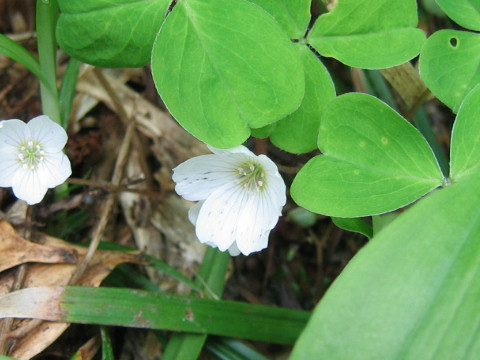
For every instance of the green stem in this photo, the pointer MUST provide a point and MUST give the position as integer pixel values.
(212, 275)
(47, 14)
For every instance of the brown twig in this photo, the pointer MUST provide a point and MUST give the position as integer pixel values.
(102, 223)
(114, 188)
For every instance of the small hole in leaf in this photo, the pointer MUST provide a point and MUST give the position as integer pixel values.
(454, 42)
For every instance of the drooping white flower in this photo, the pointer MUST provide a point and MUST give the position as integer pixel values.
(240, 196)
(31, 157)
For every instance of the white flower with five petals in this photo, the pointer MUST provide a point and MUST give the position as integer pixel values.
(31, 157)
(240, 196)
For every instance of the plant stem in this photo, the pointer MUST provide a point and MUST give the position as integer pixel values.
(47, 14)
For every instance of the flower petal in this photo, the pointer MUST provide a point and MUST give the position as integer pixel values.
(54, 170)
(194, 211)
(8, 164)
(236, 150)
(48, 133)
(232, 214)
(27, 186)
(198, 177)
(13, 132)
(233, 250)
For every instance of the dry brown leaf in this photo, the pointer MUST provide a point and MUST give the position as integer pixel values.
(30, 337)
(15, 250)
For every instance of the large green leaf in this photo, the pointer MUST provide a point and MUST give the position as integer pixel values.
(373, 161)
(225, 66)
(465, 149)
(110, 33)
(450, 65)
(298, 132)
(369, 34)
(463, 12)
(412, 293)
(294, 16)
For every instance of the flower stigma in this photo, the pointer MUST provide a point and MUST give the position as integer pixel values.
(252, 176)
(30, 155)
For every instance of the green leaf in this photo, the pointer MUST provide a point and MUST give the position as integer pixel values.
(67, 92)
(357, 225)
(412, 292)
(450, 65)
(379, 222)
(298, 132)
(17, 52)
(153, 310)
(374, 161)
(369, 34)
(225, 66)
(463, 12)
(108, 33)
(231, 349)
(211, 276)
(465, 149)
(294, 16)
(107, 351)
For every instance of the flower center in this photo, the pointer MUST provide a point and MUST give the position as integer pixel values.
(252, 175)
(30, 155)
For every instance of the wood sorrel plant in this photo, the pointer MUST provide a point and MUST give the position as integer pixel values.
(229, 69)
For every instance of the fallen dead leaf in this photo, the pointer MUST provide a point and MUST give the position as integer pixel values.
(15, 250)
(29, 337)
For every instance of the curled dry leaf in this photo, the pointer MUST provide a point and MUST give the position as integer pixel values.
(28, 337)
(15, 250)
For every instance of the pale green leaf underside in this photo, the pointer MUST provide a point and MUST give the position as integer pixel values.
(298, 132)
(224, 67)
(450, 65)
(106, 34)
(463, 12)
(412, 292)
(369, 34)
(374, 161)
(465, 149)
(294, 16)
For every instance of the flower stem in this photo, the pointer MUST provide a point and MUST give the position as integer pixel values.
(47, 14)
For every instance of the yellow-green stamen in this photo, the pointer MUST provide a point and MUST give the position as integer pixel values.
(30, 155)
(252, 175)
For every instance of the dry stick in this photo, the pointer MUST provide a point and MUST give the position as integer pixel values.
(125, 120)
(114, 188)
(98, 232)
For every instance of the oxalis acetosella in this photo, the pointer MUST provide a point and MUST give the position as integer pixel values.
(240, 198)
(31, 157)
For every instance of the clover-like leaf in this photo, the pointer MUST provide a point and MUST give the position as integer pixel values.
(373, 161)
(225, 66)
(412, 292)
(465, 149)
(298, 132)
(369, 34)
(450, 65)
(294, 16)
(463, 12)
(109, 33)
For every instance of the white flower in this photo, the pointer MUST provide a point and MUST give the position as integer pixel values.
(240, 196)
(31, 157)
